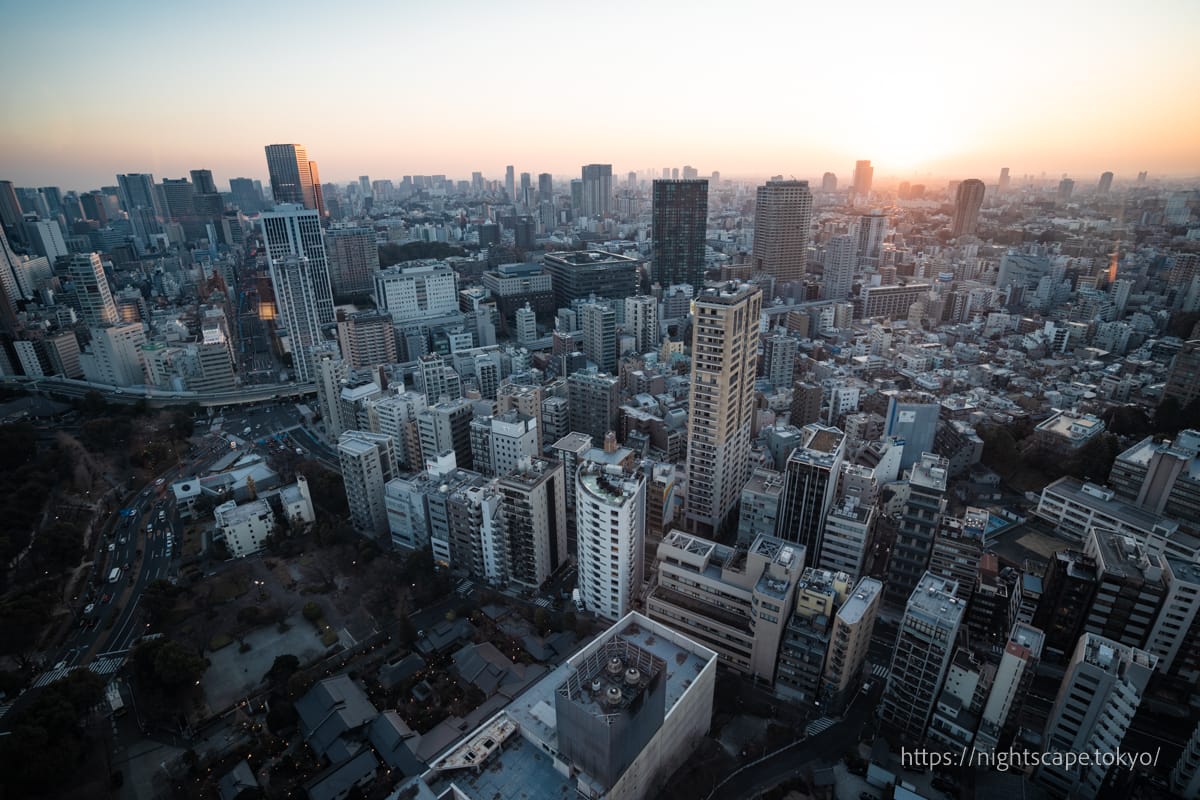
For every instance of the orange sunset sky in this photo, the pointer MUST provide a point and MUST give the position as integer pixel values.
(924, 88)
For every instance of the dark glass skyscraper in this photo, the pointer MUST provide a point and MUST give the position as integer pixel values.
(292, 176)
(680, 222)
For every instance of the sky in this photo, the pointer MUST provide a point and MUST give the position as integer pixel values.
(390, 88)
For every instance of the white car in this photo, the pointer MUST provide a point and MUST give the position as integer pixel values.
(112, 546)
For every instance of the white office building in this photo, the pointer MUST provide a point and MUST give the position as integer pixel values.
(1096, 703)
(415, 293)
(246, 526)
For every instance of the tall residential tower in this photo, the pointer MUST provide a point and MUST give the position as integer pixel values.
(721, 401)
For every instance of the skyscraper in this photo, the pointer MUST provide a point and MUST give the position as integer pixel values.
(610, 529)
(202, 181)
(967, 202)
(10, 207)
(291, 176)
(839, 267)
(1065, 188)
(353, 259)
(597, 190)
(525, 193)
(180, 197)
(829, 182)
(869, 231)
(924, 649)
(680, 218)
(96, 305)
(782, 229)
(1004, 179)
(721, 401)
(137, 191)
(510, 183)
(245, 196)
(863, 173)
(1105, 184)
(296, 258)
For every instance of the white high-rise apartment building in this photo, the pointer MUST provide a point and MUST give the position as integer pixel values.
(96, 304)
(782, 229)
(115, 356)
(599, 324)
(847, 534)
(1096, 702)
(721, 401)
(330, 370)
(641, 320)
(417, 292)
(839, 267)
(610, 514)
(368, 462)
(296, 257)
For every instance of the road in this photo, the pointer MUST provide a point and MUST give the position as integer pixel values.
(158, 398)
(827, 746)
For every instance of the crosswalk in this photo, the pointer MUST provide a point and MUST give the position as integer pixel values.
(101, 666)
(819, 725)
(879, 671)
(544, 602)
(464, 587)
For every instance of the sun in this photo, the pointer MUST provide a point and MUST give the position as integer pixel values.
(905, 139)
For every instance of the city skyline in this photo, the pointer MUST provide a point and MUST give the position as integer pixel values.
(887, 85)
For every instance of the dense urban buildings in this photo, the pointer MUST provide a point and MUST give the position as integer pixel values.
(926, 448)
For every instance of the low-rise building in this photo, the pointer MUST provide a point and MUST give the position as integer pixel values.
(245, 527)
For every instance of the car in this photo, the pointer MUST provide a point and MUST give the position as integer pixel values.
(112, 546)
(89, 608)
(160, 481)
(107, 596)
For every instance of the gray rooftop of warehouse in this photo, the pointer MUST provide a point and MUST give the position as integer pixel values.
(521, 770)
